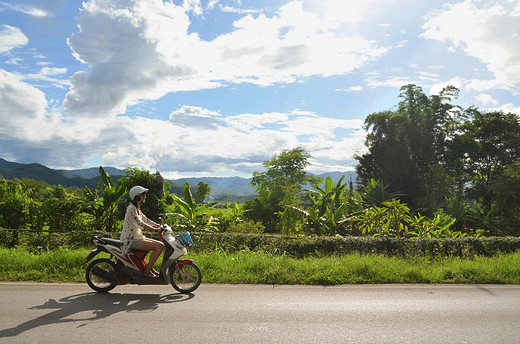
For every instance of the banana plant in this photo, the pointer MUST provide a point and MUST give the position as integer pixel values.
(187, 208)
(330, 206)
(103, 208)
(187, 213)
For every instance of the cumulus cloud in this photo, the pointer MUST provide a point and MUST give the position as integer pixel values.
(193, 141)
(195, 117)
(486, 99)
(510, 108)
(142, 50)
(10, 38)
(20, 101)
(488, 32)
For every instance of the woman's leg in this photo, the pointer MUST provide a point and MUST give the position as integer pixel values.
(151, 245)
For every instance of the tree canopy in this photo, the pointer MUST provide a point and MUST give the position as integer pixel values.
(432, 151)
(279, 185)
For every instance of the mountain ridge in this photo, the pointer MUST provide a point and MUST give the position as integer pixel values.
(221, 187)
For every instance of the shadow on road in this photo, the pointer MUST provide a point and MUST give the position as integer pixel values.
(100, 305)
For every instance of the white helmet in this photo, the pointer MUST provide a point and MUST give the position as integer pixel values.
(136, 191)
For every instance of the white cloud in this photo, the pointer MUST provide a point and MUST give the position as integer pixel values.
(196, 117)
(437, 88)
(510, 108)
(10, 38)
(394, 82)
(350, 89)
(26, 9)
(193, 141)
(231, 9)
(21, 102)
(192, 6)
(486, 99)
(142, 50)
(49, 74)
(489, 32)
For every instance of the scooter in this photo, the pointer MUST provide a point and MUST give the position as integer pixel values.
(104, 274)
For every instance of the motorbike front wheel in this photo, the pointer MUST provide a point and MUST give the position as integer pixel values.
(100, 274)
(187, 279)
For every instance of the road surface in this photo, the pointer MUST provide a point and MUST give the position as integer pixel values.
(41, 313)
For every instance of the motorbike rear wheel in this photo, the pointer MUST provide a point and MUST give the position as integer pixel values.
(186, 280)
(99, 273)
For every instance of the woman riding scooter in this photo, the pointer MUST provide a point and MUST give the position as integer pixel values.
(132, 233)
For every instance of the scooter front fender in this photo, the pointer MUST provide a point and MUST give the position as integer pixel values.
(181, 262)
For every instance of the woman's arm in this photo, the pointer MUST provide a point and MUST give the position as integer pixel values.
(150, 225)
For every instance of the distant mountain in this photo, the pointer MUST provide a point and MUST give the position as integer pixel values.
(43, 173)
(8, 164)
(221, 187)
(92, 172)
(336, 176)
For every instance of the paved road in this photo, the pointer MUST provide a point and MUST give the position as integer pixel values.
(72, 313)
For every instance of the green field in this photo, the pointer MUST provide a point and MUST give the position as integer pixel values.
(66, 265)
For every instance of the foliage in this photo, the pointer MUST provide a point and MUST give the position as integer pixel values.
(62, 211)
(104, 207)
(506, 190)
(232, 216)
(329, 209)
(464, 247)
(202, 192)
(406, 147)
(155, 200)
(247, 226)
(395, 219)
(186, 213)
(279, 186)
(375, 193)
(14, 204)
(432, 155)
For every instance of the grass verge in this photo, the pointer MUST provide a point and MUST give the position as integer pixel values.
(248, 267)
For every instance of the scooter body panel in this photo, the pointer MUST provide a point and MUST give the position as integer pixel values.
(130, 267)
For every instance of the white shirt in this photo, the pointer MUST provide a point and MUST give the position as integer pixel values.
(132, 228)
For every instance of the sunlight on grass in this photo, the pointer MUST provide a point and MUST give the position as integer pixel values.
(250, 267)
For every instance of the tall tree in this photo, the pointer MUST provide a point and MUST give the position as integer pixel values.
(406, 147)
(278, 186)
(506, 189)
(496, 138)
(203, 191)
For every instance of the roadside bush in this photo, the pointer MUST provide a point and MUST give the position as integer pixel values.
(43, 240)
(247, 226)
(323, 246)
(298, 247)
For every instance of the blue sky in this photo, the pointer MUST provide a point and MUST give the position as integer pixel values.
(215, 87)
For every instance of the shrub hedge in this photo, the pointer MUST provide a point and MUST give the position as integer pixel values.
(292, 246)
(322, 246)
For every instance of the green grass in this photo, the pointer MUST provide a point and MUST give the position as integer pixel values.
(260, 268)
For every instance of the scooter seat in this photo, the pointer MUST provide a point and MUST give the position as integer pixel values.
(113, 242)
(117, 243)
